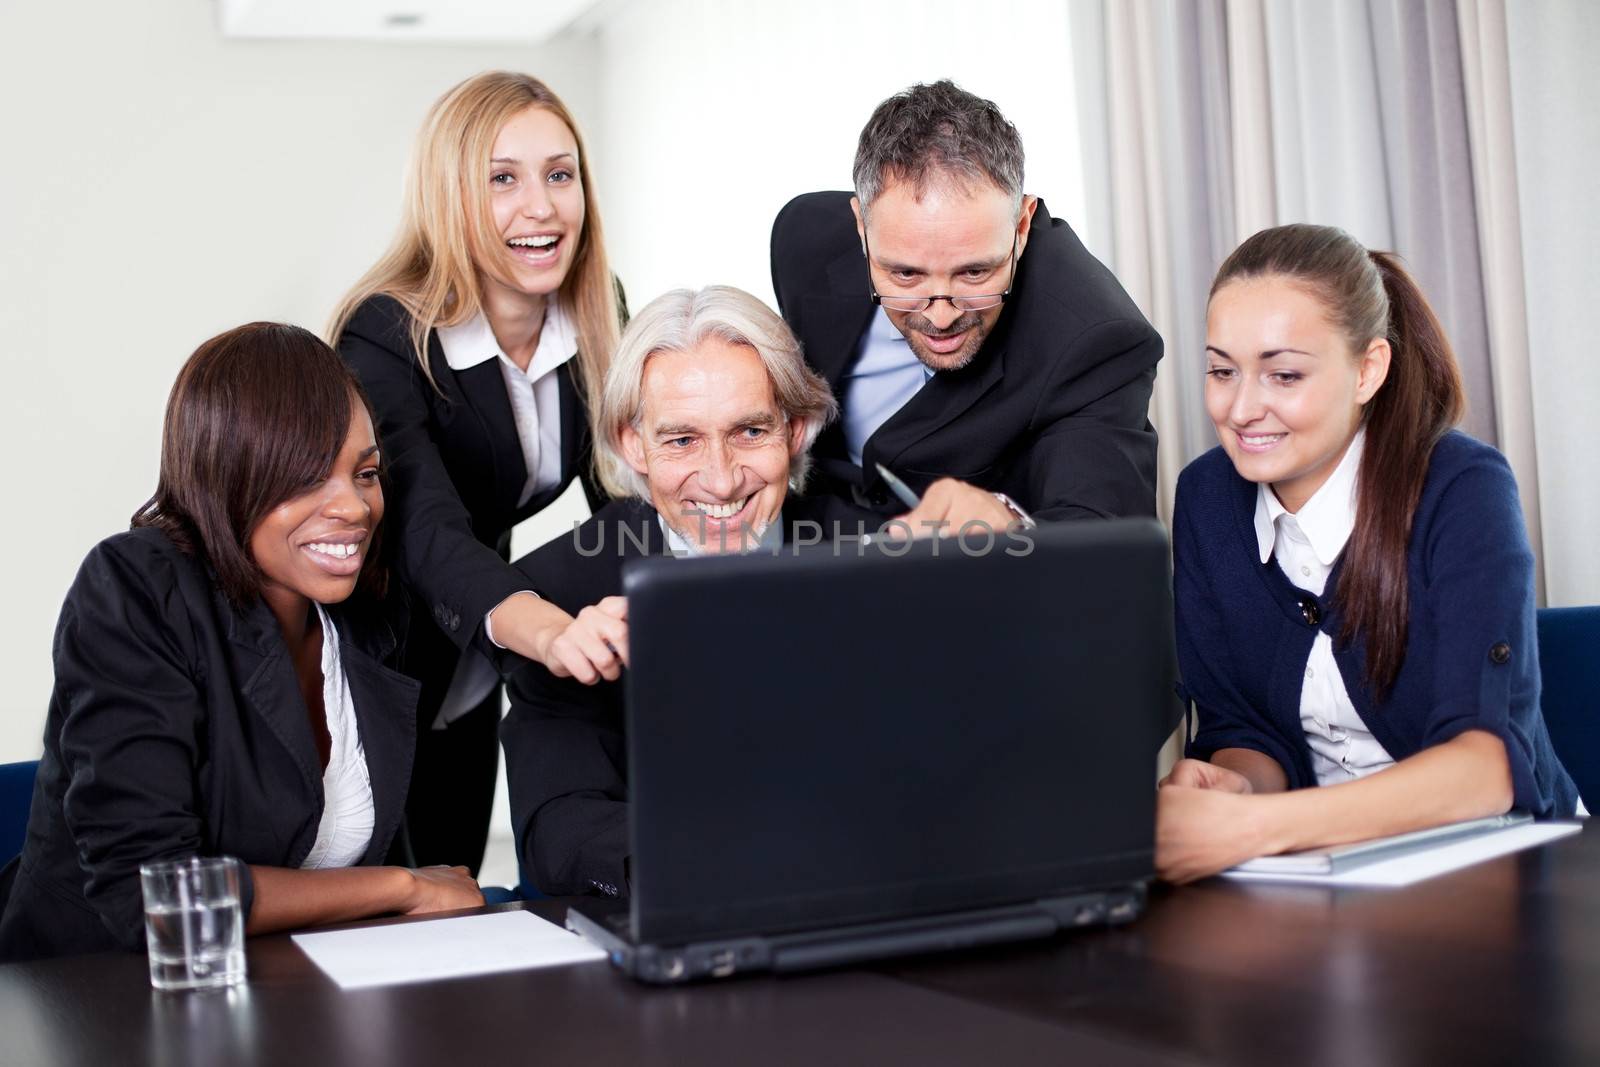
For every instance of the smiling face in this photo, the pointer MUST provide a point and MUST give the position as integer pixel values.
(713, 444)
(535, 197)
(1284, 388)
(312, 546)
(944, 239)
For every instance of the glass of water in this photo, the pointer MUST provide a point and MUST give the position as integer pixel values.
(193, 923)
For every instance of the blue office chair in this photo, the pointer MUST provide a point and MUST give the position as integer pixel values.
(524, 890)
(1569, 662)
(16, 794)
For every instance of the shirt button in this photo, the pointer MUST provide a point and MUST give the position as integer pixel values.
(1311, 672)
(1306, 571)
(1500, 653)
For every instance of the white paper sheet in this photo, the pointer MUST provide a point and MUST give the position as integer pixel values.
(443, 948)
(1416, 866)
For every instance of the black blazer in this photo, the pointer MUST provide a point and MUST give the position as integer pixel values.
(177, 728)
(566, 760)
(1053, 409)
(455, 467)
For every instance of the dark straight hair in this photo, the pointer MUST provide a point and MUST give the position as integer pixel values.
(1370, 295)
(257, 416)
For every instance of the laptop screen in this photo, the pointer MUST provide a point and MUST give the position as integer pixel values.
(852, 735)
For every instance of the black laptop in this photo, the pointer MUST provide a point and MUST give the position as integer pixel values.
(857, 752)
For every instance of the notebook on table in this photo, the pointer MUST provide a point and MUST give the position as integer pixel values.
(1339, 858)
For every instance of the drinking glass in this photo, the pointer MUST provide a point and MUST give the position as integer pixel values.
(193, 923)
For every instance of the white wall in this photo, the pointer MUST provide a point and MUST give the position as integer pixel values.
(158, 185)
(770, 98)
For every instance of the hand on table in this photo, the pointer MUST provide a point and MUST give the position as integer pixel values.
(1199, 774)
(1202, 830)
(441, 889)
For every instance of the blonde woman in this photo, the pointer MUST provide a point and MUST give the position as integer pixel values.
(482, 337)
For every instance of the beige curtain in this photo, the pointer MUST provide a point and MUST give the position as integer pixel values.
(1485, 69)
(1415, 124)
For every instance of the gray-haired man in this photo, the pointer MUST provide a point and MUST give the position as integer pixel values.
(978, 350)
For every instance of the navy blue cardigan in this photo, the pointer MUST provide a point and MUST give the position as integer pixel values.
(1471, 658)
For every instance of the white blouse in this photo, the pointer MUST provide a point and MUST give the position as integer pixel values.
(535, 393)
(1307, 543)
(535, 396)
(346, 827)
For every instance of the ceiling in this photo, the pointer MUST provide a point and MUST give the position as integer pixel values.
(424, 21)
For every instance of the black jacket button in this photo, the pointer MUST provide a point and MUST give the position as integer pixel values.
(1311, 611)
(1500, 653)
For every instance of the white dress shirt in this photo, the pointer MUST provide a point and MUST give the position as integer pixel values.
(535, 396)
(770, 541)
(346, 827)
(886, 374)
(1307, 543)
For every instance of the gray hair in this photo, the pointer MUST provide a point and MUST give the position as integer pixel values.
(937, 131)
(679, 321)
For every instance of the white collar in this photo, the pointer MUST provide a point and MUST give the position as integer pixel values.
(679, 545)
(473, 342)
(1326, 519)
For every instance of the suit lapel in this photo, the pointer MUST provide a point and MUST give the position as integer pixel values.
(386, 712)
(574, 424)
(261, 661)
(937, 404)
(483, 389)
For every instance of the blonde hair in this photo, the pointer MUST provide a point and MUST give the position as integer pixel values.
(679, 321)
(429, 267)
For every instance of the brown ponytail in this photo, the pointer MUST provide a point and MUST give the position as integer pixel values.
(1370, 295)
(1417, 404)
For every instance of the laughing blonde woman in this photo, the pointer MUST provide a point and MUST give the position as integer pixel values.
(482, 337)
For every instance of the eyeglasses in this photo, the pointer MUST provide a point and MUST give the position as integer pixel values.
(972, 302)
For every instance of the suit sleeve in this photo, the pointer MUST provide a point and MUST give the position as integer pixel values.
(565, 777)
(1225, 717)
(1481, 589)
(806, 235)
(777, 251)
(436, 554)
(132, 732)
(1094, 454)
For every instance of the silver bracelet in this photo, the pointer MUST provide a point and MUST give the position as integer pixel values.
(1024, 520)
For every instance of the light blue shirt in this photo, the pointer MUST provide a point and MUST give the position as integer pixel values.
(886, 375)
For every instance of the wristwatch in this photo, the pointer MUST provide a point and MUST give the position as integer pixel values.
(1022, 518)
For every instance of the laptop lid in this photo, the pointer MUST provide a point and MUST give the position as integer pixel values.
(859, 733)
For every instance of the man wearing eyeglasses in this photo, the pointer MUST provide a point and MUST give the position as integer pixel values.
(979, 351)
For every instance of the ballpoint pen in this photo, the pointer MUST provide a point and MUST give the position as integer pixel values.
(897, 487)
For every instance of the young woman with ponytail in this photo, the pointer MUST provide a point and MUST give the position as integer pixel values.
(1353, 584)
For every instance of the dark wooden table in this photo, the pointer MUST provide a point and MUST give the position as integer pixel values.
(1496, 964)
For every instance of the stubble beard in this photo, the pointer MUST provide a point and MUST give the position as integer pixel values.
(918, 325)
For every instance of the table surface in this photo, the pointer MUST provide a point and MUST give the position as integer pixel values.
(1499, 963)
